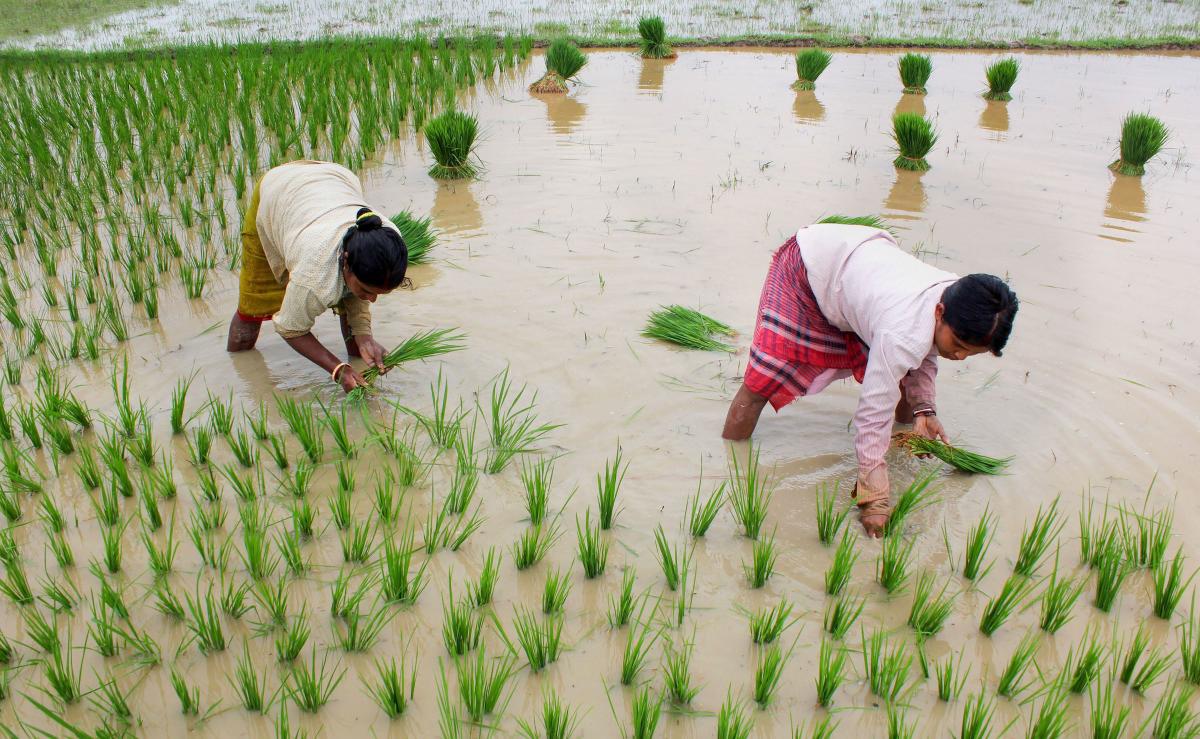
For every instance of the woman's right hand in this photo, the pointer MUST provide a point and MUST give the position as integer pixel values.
(350, 379)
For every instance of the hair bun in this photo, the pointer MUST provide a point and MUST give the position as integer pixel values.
(367, 220)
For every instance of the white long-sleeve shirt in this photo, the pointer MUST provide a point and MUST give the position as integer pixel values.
(865, 283)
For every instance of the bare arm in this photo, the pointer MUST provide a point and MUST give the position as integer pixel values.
(309, 347)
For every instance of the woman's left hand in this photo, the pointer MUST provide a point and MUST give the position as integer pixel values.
(372, 352)
(930, 427)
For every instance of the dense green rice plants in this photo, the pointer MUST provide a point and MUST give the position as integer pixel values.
(291, 640)
(1012, 680)
(1189, 645)
(394, 686)
(482, 682)
(620, 607)
(362, 629)
(272, 601)
(537, 478)
(419, 236)
(608, 485)
(593, 550)
(1037, 538)
(1001, 76)
(1058, 598)
(564, 60)
(829, 519)
(189, 697)
(977, 717)
(810, 63)
(732, 720)
(167, 603)
(677, 673)
(1142, 136)
(885, 665)
(895, 557)
(250, 683)
(688, 328)
(646, 710)
(540, 640)
(1136, 672)
(769, 673)
(451, 136)
(898, 726)
(1001, 606)
(841, 614)
(233, 598)
(831, 671)
(512, 424)
(204, 621)
(302, 421)
(768, 624)
(653, 43)
(762, 561)
(915, 137)
(1146, 536)
(674, 562)
(844, 557)
(638, 642)
(1111, 573)
(950, 678)
(533, 544)
(421, 345)
(399, 580)
(750, 493)
(310, 687)
(916, 497)
(929, 611)
(558, 720)
(1050, 720)
(357, 542)
(958, 458)
(554, 593)
(979, 539)
(1109, 719)
(481, 589)
(1173, 717)
(702, 512)
(915, 70)
(462, 627)
(1084, 662)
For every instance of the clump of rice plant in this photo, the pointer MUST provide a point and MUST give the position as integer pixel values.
(1057, 600)
(482, 683)
(929, 611)
(481, 589)
(915, 70)
(1002, 606)
(310, 687)
(979, 539)
(608, 485)
(249, 683)
(1011, 683)
(1142, 136)
(541, 641)
(1109, 718)
(677, 674)
(646, 712)
(769, 673)
(512, 424)
(977, 717)
(810, 63)
(750, 493)
(762, 561)
(767, 624)
(829, 519)
(1001, 76)
(653, 33)
(1111, 572)
(688, 328)
(1146, 536)
(732, 720)
(1050, 720)
(451, 136)
(558, 720)
(1169, 585)
(831, 672)
(885, 665)
(916, 497)
(394, 686)
(895, 557)
(422, 345)
(638, 642)
(674, 562)
(956, 457)
(1083, 666)
(563, 62)
(950, 678)
(702, 512)
(841, 614)
(189, 697)
(844, 557)
(593, 550)
(915, 137)
(1173, 717)
(1037, 538)
(620, 607)
(1189, 645)
(418, 233)
(533, 544)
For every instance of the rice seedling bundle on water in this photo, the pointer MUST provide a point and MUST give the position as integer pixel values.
(1142, 136)
(451, 138)
(915, 70)
(1001, 76)
(960, 459)
(687, 327)
(419, 235)
(563, 62)
(914, 136)
(427, 344)
(654, 38)
(810, 63)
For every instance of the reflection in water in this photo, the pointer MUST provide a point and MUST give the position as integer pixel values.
(563, 111)
(911, 104)
(808, 108)
(907, 194)
(1126, 199)
(650, 79)
(995, 116)
(455, 208)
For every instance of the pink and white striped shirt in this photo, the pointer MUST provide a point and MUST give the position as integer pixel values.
(864, 283)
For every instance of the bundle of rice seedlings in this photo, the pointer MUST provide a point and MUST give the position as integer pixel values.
(563, 62)
(1001, 76)
(1142, 136)
(451, 136)
(871, 221)
(957, 457)
(914, 72)
(914, 136)
(687, 327)
(810, 63)
(422, 345)
(419, 235)
(654, 38)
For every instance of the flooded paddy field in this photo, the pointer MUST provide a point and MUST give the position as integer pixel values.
(650, 183)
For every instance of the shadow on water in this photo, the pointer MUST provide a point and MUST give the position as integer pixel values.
(807, 108)
(906, 200)
(1126, 202)
(994, 117)
(911, 104)
(563, 112)
(650, 78)
(455, 208)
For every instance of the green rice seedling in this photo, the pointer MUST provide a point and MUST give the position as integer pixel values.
(929, 611)
(289, 546)
(151, 516)
(1146, 536)
(537, 478)
(111, 537)
(607, 487)
(300, 481)
(451, 136)
(302, 421)
(61, 548)
(646, 712)
(65, 680)
(533, 545)
(60, 436)
(220, 415)
(557, 588)
(1142, 136)
(419, 236)
(233, 598)
(762, 561)
(977, 717)
(7, 652)
(480, 591)
(885, 665)
(103, 631)
(278, 449)
(1012, 681)
(898, 725)
(303, 517)
(204, 621)
(27, 419)
(358, 542)
(10, 505)
(1109, 720)
(687, 327)
(677, 674)
(914, 136)
(950, 678)
(701, 513)
(768, 624)
(674, 562)
(1173, 717)
(841, 614)
(341, 510)
(979, 539)
(15, 585)
(1189, 645)
(1037, 538)
(462, 627)
(256, 554)
(512, 424)
(166, 602)
(462, 489)
(540, 641)
(750, 493)
(1058, 599)
(449, 723)
(200, 445)
(620, 607)
(819, 728)
(88, 469)
(384, 502)
(249, 683)
(272, 601)
(59, 595)
(916, 497)
(732, 720)
(394, 686)
(831, 672)
(1111, 573)
(434, 342)
(482, 683)
(189, 697)
(638, 643)
(243, 448)
(9, 551)
(108, 698)
(336, 424)
(810, 64)
(915, 70)
(958, 458)
(258, 422)
(362, 630)
(107, 506)
(310, 687)
(653, 43)
(399, 580)
(564, 60)
(1141, 674)
(1001, 76)
(1084, 666)
(1001, 606)
(43, 632)
(829, 520)
(895, 557)
(291, 640)
(844, 557)
(593, 550)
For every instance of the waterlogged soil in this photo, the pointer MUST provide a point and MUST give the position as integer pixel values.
(671, 182)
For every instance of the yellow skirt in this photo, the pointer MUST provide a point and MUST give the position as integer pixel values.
(260, 295)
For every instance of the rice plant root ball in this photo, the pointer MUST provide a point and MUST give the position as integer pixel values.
(563, 62)
(1142, 136)
(810, 63)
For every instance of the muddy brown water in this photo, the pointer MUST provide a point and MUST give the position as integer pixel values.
(671, 182)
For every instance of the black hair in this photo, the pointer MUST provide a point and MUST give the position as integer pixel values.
(377, 256)
(980, 310)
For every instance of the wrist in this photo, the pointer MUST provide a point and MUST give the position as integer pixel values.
(339, 371)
